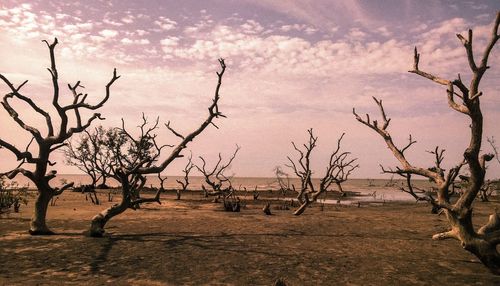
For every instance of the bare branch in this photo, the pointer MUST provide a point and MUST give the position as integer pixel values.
(416, 70)
(398, 153)
(494, 147)
(173, 131)
(213, 112)
(215, 177)
(58, 191)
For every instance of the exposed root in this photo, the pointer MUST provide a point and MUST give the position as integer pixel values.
(445, 235)
(492, 225)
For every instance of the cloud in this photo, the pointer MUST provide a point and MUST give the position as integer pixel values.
(309, 30)
(108, 20)
(384, 31)
(170, 41)
(356, 34)
(127, 41)
(318, 13)
(107, 33)
(252, 27)
(165, 24)
(291, 55)
(129, 19)
(481, 6)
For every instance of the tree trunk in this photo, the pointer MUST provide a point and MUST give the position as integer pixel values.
(38, 224)
(302, 208)
(99, 221)
(103, 180)
(94, 182)
(487, 253)
(475, 243)
(339, 185)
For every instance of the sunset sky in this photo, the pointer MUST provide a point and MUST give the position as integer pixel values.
(292, 65)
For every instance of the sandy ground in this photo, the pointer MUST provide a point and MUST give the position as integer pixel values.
(194, 242)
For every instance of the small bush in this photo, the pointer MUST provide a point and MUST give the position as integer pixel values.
(11, 196)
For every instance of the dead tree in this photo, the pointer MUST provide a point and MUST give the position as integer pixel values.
(494, 147)
(417, 193)
(184, 182)
(340, 166)
(90, 155)
(162, 182)
(283, 180)
(466, 100)
(132, 174)
(302, 168)
(58, 131)
(267, 209)
(484, 192)
(218, 182)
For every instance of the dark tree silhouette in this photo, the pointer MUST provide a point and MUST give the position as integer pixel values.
(482, 242)
(58, 131)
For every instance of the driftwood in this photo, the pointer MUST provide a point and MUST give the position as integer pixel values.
(267, 209)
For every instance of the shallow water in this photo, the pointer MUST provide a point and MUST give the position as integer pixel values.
(368, 189)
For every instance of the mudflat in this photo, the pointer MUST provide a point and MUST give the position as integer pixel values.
(192, 241)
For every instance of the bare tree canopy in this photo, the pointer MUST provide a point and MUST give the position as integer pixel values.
(216, 178)
(493, 145)
(184, 182)
(142, 155)
(57, 134)
(339, 168)
(91, 155)
(466, 100)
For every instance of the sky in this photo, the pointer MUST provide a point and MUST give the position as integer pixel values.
(291, 65)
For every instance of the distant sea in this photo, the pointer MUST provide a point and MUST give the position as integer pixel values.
(379, 188)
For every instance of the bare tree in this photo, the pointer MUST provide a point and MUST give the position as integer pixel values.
(220, 183)
(417, 193)
(485, 191)
(128, 153)
(184, 182)
(302, 168)
(283, 180)
(494, 147)
(340, 166)
(90, 155)
(144, 159)
(57, 134)
(482, 242)
(285, 186)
